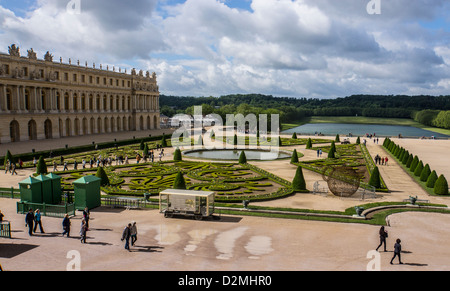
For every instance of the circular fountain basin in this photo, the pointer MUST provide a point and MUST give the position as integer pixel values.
(234, 154)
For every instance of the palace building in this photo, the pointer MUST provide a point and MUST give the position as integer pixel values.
(44, 99)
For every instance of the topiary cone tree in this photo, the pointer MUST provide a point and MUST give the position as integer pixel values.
(425, 173)
(294, 135)
(337, 139)
(235, 140)
(177, 155)
(179, 182)
(299, 184)
(375, 179)
(294, 158)
(103, 176)
(164, 141)
(441, 186)
(332, 152)
(414, 164)
(432, 178)
(309, 144)
(9, 157)
(242, 158)
(418, 169)
(41, 167)
(358, 140)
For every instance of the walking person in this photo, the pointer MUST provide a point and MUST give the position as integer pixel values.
(383, 235)
(86, 217)
(133, 233)
(126, 236)
(38, 221)
(386, 161)
(29, 221)
(13, 169)
(65, 167)
(397, 251)
(66, 225)
(83, 231)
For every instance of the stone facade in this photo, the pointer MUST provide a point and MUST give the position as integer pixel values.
(44, 99)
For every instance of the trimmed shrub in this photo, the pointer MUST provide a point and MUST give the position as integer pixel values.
(409, 161)
(414, 164)
(41, 166)
(9, 157)
(299, 184)
(418, 169)
(235, 140)
(332, 152)
(242, 158)
(309, 144)
(294, 158)
(294, 136)
(103, 176)
(337, 139)
(432, 178)
(179, 182)
(145, 150)
(358, 140)
(425, 173)
(163, 141)
(141, 145)
(441, 186)
(375, 180)
(405, 158)
(177, 155)
(280, 143)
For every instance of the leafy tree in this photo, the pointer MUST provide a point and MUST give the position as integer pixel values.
(299, 184)
(41, 166)
(103, 176)
(179, 182)
(441, 186)
(375, 179)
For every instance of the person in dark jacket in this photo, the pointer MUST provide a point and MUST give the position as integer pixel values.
(126, 236)
(66, 225)
(383, 236)
(397, 251)
(29, 221)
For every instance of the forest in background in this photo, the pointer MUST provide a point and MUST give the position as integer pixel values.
(428, 110)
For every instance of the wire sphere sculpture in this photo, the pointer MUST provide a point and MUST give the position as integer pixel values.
(343, 181)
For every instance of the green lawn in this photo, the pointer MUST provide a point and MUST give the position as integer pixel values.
(365, 120)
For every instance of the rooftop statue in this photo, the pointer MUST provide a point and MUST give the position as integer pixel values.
(14, 51)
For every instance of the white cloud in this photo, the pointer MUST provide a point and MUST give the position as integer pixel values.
(305, 48)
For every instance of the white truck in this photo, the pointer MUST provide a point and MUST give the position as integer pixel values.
(199, 204)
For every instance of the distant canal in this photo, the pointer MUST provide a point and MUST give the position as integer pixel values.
(363, 129)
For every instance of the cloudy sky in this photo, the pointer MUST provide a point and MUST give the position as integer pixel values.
(295, 48)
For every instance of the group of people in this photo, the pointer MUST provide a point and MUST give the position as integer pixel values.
(397, 246)
(34, 218)
(10, 167)
(381, 161)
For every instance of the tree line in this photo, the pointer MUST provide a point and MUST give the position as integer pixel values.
(429, 110)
